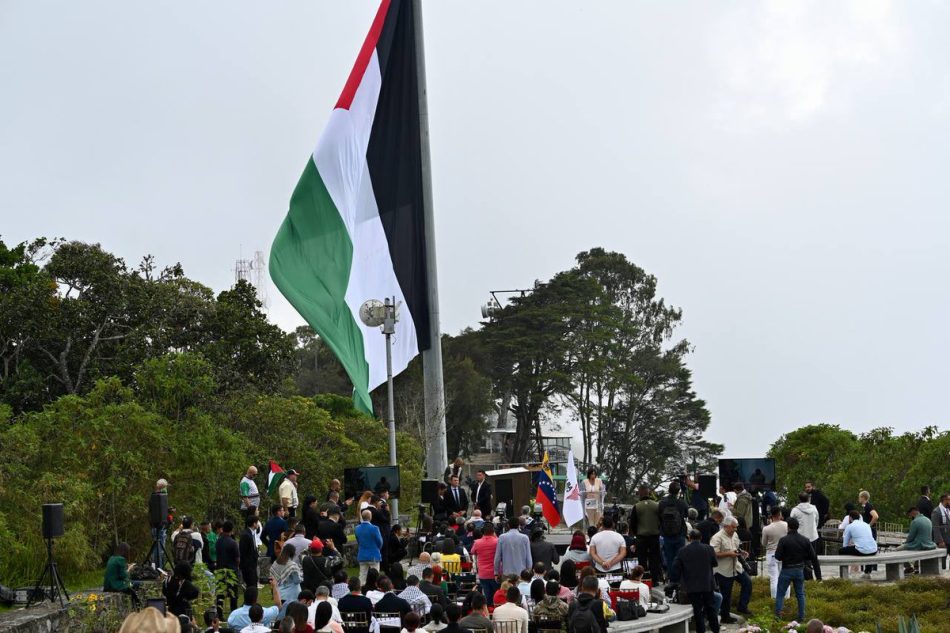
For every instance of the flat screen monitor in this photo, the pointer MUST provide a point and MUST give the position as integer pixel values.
(372, 478)
(757, 474)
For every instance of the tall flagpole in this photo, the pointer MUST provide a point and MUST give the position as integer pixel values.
(436, 453)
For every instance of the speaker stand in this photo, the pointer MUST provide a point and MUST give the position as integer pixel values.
(55, 589)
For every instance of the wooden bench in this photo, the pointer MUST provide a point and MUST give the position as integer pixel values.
(676, 620)
(893, 562)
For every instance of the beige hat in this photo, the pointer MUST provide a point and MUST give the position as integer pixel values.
(149, 620)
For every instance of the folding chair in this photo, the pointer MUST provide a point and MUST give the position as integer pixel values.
(452, 567)
(355, 621)
(632, 596)
(389, 621)
(506, 626)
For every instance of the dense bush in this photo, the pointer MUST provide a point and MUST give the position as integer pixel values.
(101, 453)
(891, 467)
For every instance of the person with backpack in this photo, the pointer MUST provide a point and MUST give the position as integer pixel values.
(317, 569)
(645, 523)
(586, 613)
(673, 512)
(186, 544)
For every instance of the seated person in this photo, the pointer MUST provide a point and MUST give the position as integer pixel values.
(634, 582)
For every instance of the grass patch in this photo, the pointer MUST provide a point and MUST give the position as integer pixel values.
(860, 606)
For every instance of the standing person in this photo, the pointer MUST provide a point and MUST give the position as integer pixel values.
(382, 519)
(793, 551)
(607, 547)
(645, 522)
(771, 535)
(286, 573)
(316, 568)
(456, 499)
(274, 529)
(673, 512)
(208, 539)
(179, 591)
(820, 501)
(693, 570)
(483, 551)
(729, 570)
(248, 550)
(513, 552)
(311, 516)
(807, 516)
(481, 493)
(300, 542)
(924, 504)
(870, 516)
(593, 491)
(250, 497)
(708, 527)
(187, 548)
(542, 551)
(160, 533)
(369, 541)
(743, 506)
(229, 557)
(287, 491)
(453, 470)
(726, 499)
(940, 518)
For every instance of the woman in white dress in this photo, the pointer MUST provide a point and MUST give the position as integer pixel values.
(592, 494)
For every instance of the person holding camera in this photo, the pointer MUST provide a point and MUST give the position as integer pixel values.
(179, 591)
(730, 570)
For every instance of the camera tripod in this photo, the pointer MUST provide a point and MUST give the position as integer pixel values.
(55, 589)
(158, 545)
(419, 546)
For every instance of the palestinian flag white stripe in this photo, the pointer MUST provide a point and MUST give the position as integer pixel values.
(355, 228)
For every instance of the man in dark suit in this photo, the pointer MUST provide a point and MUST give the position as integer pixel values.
(456, 499)
(356, 602)
(247, 548)
(925, 505)
(433, 592)
(481, 494)
(693, 570)
(390, 602)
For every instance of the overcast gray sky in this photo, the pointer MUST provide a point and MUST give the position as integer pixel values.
(780, 167)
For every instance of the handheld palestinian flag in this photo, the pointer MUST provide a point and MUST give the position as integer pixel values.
(355, 229)
(274, 477)
(547, 494)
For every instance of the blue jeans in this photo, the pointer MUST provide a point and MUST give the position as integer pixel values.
(159, 556)
(489, 587)
(725, 587)
(788, 577)
(671, 545)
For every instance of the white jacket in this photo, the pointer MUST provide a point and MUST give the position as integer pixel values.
(807, 516)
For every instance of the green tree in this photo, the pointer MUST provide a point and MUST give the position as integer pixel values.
(174, 383)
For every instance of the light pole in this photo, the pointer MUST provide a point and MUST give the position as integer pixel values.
(383, 314)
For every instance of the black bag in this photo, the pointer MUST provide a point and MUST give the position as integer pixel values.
(629, 610)
(183, 548)
(748, 567)
(671, 521)
(143, 572)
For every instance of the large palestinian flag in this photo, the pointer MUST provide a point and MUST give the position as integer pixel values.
(355, 228)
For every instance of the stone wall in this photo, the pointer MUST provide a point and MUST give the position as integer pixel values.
(51, 617)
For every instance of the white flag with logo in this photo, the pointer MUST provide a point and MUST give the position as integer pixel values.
(573, 508)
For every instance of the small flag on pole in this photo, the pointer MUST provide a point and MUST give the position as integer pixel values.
(274, 477)
(547, 495)
(573, 508)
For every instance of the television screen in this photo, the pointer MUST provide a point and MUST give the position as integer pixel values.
(372, 478)
(757, 474)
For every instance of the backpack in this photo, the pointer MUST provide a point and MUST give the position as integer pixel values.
(183, 548)
(671, 521)
(583, 620)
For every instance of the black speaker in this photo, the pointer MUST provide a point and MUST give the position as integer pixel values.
(53, 520)
(430, 490)
(707, 486)
(157, 509)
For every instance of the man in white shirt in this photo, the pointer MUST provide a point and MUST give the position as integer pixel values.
(510, 611)
(771, 534)
(288, 492)
(300, 542)
(727, 499)
(607, 548)
(250, 497)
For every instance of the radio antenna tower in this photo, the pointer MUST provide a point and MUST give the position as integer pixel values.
(253, 271)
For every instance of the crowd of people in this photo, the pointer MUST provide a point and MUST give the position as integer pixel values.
(471, 570)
